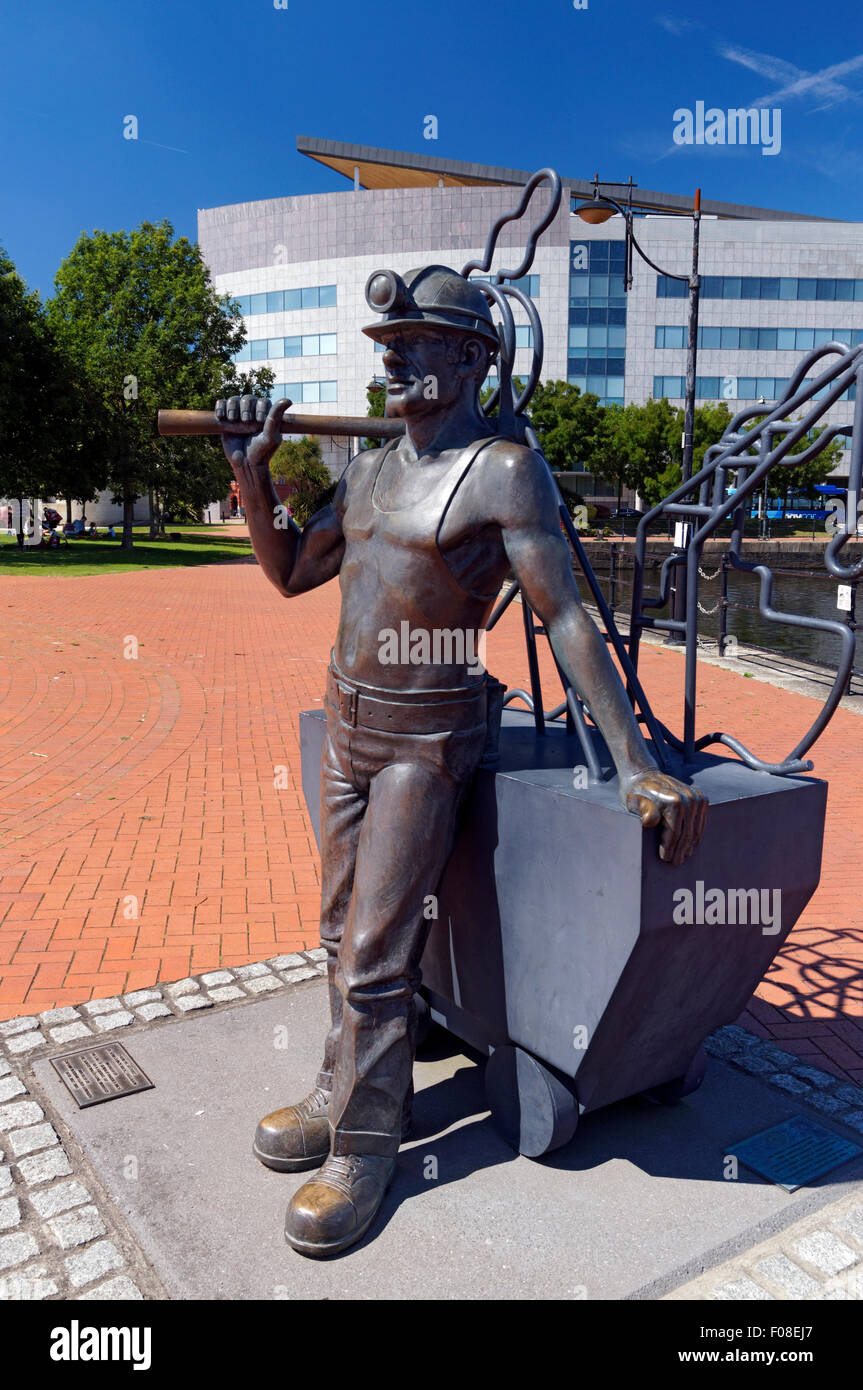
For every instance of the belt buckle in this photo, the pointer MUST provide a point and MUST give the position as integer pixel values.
(348, 706)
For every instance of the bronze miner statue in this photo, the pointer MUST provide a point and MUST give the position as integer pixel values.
(422, 533)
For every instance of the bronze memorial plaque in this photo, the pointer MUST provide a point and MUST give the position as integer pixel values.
(796, 1152)
(100, 1073)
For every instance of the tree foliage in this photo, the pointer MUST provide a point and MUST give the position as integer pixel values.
(568, 423)
(299, 462)
(142, 328)
(30, 396)
(376, 395)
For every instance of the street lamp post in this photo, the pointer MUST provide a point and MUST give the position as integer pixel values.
(594, 212)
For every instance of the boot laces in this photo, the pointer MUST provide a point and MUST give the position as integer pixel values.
(338, 1172)
(317, 1100)
(343, 1165)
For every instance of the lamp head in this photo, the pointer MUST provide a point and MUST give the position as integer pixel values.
(596, 212)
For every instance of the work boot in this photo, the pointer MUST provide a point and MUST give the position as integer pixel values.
(335, 1208)
(298, 1136)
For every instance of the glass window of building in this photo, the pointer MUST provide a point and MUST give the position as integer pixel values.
(598, 300)
(766, 287)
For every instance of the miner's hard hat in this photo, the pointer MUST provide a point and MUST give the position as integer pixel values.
(435, 295)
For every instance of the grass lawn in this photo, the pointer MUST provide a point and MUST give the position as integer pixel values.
(198, 545)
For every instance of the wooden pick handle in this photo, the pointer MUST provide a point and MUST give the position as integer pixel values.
(205, 422)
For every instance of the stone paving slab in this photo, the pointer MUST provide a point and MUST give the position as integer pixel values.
(55, 1241)
(817, 1259)
(634, 1207)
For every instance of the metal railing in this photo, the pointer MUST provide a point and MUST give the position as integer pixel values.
(724, 605)
(708, 498)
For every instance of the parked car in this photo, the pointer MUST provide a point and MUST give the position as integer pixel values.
(625, 512)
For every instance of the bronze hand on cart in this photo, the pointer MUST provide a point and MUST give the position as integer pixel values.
(527, 510)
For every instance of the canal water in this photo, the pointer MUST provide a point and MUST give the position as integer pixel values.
(795, 592)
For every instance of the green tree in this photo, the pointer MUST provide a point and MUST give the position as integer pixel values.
(76, 471)
(708, 426)
(641, 446)
(299, 462)
(633, 445)
(29, 386)
(376, 395)
(138, 317)
(192, 472)
(568, 423)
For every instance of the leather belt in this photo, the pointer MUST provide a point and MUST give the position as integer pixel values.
(451, 711)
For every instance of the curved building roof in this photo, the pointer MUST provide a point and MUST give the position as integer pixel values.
(372, 168)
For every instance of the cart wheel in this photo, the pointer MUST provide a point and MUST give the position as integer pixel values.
(423, 1017)
(530, 1105)
(670, 1092)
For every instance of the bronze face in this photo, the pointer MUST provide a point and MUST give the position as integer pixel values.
(427, 367)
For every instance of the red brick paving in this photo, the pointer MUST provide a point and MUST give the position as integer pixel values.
(159, 786)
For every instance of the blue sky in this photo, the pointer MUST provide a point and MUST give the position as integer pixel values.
(222, 89)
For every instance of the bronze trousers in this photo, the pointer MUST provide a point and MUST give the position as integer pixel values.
(389, 806)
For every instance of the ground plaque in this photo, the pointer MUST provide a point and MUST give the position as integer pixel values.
(100, 1073)
(795, 1152)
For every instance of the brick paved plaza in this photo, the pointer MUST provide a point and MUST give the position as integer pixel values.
(146, 833)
